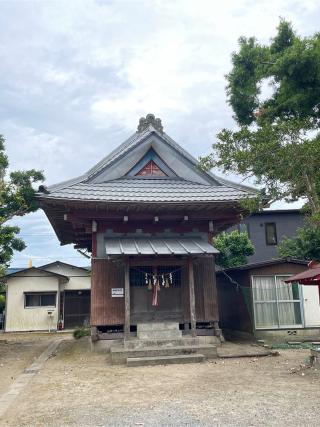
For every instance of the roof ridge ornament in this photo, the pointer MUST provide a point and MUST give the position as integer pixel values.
(150, 119)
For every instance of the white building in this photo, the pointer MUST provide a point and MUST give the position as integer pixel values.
(46, 298)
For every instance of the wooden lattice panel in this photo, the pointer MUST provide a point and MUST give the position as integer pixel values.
(151, 169)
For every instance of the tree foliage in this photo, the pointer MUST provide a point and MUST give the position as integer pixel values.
(277, 140)
(17, 197)
(305, 245)
(234, 248)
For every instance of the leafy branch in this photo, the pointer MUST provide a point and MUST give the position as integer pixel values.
(277, 140)
(17, 198)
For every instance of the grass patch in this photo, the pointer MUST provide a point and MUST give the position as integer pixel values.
(81, 332)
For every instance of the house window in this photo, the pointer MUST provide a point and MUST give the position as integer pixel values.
(244, 228)
(276, 304)
(271, 233)
(37, 299)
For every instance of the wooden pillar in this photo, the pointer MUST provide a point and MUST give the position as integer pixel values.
(126, 301)
(192, 298)
(94, 227)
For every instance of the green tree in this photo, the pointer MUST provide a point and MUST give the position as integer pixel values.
(277, 139)
(234, 248)
(17, 197)
(305, 245)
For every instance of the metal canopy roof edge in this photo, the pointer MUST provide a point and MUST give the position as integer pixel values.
(158, 246)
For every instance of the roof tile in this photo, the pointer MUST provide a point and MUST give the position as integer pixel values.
(148, 190)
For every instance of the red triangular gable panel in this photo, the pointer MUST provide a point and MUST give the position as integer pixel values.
(151, 168)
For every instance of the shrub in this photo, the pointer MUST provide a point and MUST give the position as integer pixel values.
(81, 332)
(234, 248)
(304, 245)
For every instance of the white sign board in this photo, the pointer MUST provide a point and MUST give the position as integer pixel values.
(117, 292)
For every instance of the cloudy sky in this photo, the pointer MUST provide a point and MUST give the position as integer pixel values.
(75, 76)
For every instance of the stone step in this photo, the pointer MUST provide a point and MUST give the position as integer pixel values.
(165, 360)
(119, 355)
(157, 326)
(162, 334)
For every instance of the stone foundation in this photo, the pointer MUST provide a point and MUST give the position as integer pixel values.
(280, 335)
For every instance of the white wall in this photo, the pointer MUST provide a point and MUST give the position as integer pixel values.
(79, 278)
(19, 318)
(311, 305)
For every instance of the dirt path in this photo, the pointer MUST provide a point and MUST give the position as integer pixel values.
(17, 351)
(79, 388)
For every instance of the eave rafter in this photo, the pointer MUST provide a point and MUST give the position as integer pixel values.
(73, 222)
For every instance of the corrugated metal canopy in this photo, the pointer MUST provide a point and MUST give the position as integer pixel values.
(156, 246)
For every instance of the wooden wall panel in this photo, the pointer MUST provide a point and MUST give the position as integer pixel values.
(206, 290)
(206, 298)
(278, 269)
(106, 310)
(199, 289)
(106, 275)
(185, 301)
(210, 291)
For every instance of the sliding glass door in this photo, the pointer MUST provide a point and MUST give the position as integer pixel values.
(276, 304)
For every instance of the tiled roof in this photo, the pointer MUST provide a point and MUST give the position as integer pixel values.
(148, 190)
(136, 139)
(156, 246)
(119, 151)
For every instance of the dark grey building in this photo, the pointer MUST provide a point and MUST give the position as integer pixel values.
(266, 230)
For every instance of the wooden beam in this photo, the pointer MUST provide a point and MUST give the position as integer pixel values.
(192, 298)
(126, 301)
(152, 227)
(94, 226)
(94, 244)
(85, 215)
(151, 261)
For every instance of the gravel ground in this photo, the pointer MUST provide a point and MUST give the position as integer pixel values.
(80, 388)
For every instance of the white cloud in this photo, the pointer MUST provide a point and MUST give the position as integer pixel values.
(181, 66)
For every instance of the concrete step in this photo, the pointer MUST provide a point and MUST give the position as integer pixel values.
(183, 341)
(165, 360)
(157, 326)
(154, 334)
(119, 355)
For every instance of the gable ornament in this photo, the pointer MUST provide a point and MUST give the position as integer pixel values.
(150, 119)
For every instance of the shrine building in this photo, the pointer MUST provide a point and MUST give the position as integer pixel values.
(147, 214)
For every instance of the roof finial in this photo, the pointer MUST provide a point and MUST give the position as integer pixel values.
(150, 120)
